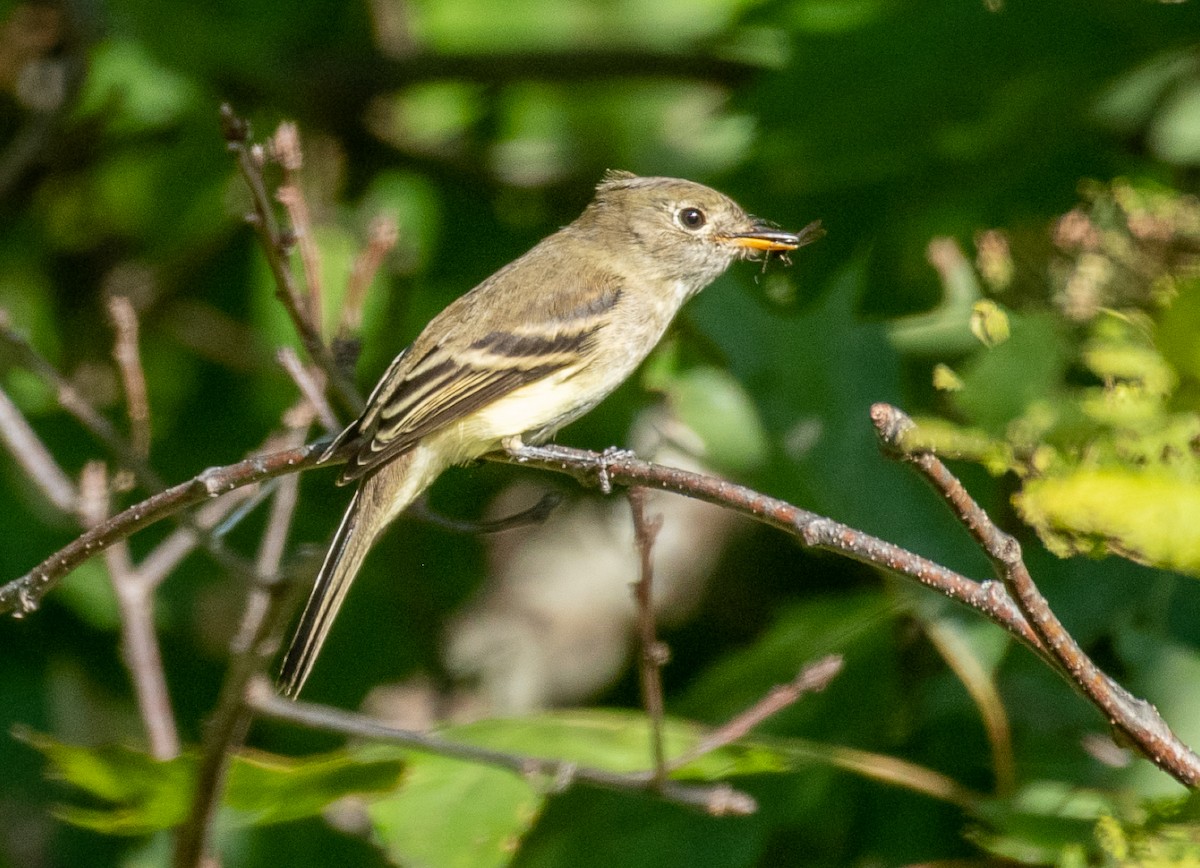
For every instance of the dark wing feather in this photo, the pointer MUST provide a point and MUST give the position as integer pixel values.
(417, 396)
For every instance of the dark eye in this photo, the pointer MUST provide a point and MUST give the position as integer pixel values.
(692, 218)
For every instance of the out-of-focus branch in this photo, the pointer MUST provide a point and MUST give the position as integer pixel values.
(70, 399)
(34, 458)
(285, 147)
(381, 239)
(311, 383)
(535, 514)
(654, 654)
(133, 378)
(78, 406)
(135, 602)
(813, 678)
(982, 688)
(250, 160)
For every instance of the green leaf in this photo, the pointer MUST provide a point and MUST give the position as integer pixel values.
(456, 813)
(1002, 383)
(140, 795)
(716, 407)
(1146, 516)
(132, 91)
(1175, 133)
(451, 813)
(1041, 823)
(88, 592)
(1156, 834)
(270, 789)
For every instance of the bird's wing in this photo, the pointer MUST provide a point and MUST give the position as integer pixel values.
(429, 388)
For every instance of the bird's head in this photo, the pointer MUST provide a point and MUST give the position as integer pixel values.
(683, 228)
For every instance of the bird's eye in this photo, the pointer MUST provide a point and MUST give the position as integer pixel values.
(692, 218)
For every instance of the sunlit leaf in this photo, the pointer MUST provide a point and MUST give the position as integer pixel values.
(1145, 516)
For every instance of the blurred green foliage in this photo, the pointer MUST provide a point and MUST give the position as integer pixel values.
(480, 129)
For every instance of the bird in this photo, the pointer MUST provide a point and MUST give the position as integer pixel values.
(530, 349)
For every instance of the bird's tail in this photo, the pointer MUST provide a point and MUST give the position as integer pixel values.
(379, 499)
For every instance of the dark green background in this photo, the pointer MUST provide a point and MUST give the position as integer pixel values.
(892, 122)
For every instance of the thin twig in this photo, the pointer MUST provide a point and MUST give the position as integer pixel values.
(160, 561)
(813, 678)
(34, 458)
(70, 399)
(311, 383)
(654, 654)
(285, 148)
(133, 378)
(78, 406)
(1135, 718)
(250, 163)
(381, 239)
(557, 775)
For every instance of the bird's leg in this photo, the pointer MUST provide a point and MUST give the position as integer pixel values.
(519, 450)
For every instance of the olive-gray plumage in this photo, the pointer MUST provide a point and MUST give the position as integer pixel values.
(530, 349)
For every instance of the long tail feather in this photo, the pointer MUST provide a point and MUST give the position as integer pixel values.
(378, 500)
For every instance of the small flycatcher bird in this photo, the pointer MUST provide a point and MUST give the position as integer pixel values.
(532, 348)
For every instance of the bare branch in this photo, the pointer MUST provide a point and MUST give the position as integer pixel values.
(813, 678)
(813, 530)
(23, 595)
(133, 378)
(381, 239)
(1134, 718)
(275, 247)
(285, 146)
(535, 514)
(78, 406)
(311, 383)
(164, 557)
(34, 458)
(1139, 721)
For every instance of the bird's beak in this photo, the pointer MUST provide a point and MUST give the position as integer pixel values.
(772, 240)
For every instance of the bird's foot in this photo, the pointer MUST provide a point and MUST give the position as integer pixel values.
(604, 460)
